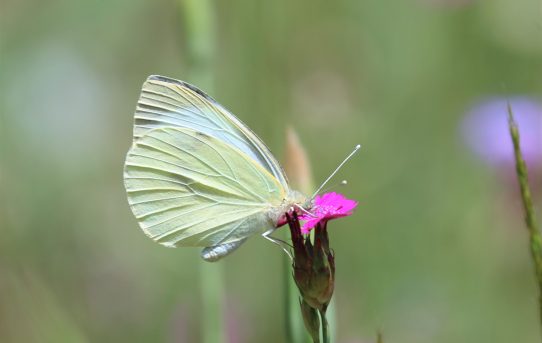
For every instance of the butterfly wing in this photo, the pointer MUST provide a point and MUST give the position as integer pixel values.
(166, 102)
(187, 188)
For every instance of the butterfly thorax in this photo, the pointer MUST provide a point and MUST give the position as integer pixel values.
(295, 201)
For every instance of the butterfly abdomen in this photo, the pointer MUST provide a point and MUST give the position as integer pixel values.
(215, 253)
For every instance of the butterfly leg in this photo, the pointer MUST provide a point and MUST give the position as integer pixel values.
(278, 242)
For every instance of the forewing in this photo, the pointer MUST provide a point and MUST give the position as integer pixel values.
(187, 188)
(166, 102)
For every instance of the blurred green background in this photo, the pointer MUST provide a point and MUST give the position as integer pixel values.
(436, 251)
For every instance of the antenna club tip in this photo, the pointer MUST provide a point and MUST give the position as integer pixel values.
(358, 146)
(344, 182)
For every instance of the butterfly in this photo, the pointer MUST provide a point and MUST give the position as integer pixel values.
(197, 176)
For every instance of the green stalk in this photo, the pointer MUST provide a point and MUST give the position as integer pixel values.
(295, 329)
(199, 25)
(325, 328)
(332, 320)
(530, 220)
(211, 283)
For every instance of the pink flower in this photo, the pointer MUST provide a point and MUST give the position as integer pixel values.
(327, 206)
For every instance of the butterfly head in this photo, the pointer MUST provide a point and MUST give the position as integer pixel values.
(294, 201)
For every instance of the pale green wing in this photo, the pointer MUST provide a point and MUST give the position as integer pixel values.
(166, 102)
(190, 189)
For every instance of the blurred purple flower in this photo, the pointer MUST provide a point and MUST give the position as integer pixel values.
(485, 129)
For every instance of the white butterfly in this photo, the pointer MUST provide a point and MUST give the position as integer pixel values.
(197, 176)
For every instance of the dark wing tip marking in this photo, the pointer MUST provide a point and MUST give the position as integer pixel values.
(181, 83)
(202, 135)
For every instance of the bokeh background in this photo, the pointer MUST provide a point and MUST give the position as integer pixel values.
(437, 250)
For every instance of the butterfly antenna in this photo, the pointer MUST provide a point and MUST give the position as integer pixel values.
(336, 170)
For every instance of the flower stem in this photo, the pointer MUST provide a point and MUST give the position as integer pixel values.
(295, 329)
(325, 327)
(530, 220)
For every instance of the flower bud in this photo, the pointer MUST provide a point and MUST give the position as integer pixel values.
(314, 265)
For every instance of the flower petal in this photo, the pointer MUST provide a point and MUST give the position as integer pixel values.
(327, 206)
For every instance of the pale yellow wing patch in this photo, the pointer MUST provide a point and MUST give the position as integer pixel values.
(187, 188)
